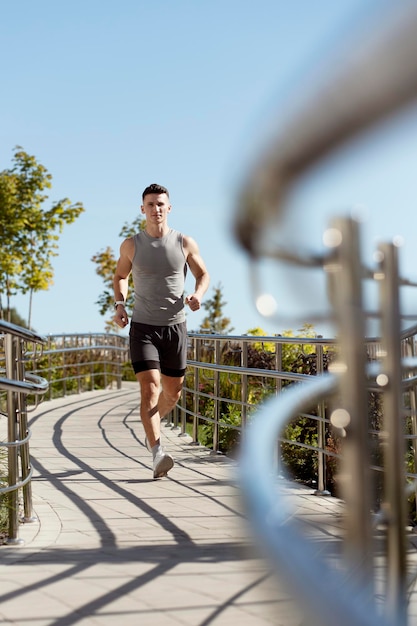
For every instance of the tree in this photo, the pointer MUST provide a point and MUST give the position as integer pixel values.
(28, 232)
(15, 318)
(106, 263)
(215, 322)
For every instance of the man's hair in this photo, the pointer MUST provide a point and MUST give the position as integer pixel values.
(155, 188)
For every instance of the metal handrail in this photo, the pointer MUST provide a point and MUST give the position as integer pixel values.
(105, 360)
(18, 384)
(97, 357)
(22, 333)
(378, 77)
(345, 603)
(39, 385)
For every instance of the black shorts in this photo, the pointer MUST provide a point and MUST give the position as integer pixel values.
(159, 347)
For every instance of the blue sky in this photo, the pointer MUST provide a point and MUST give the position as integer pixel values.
(113, 96)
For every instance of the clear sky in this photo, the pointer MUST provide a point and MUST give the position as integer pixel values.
(112, 96)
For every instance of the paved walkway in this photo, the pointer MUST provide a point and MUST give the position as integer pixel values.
(112, 544)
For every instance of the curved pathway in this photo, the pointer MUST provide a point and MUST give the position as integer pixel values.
(112, 544)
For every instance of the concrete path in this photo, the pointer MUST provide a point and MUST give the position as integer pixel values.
(112, 544)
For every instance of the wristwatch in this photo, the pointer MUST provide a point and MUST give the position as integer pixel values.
(116, 304)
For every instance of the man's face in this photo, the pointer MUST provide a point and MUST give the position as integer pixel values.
(156, 206)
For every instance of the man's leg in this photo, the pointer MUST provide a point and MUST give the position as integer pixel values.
(170, 394)
(150, 381)
(150, 384)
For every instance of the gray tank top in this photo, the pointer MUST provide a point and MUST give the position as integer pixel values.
(159, 269)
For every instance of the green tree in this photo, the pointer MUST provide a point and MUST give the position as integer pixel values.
(16, 318)
(106, 263)
(215, 321)
(28, 231)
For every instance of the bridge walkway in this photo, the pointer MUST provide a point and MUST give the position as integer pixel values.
(111, 543)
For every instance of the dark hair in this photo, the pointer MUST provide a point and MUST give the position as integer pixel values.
(155, 188)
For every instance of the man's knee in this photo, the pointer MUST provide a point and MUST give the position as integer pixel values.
(149, 387)
(172, 393)
(171, 398)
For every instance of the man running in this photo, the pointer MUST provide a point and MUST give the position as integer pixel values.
(158, 258)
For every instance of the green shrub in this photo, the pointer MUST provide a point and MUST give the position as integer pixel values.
(229, 436)
(127, 372)
(300, 462)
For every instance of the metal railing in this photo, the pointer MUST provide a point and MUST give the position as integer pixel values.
(231, 376)
(377, 78)
(18, 385)
(33, 367)
(228, 376)
(78, 362)
(385, 368)
(223, 389)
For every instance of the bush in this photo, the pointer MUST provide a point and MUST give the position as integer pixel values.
(127, 372)
(300, 462)
(229, 437)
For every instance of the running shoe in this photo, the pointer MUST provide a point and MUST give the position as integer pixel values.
(162, 463)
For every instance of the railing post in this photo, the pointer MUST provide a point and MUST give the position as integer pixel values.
(409, 348)
(321, 431)
(278, 389)
(244, 384)
(64, 371)
(394, 452)
(217, 352)
(175, 418)
(345, 282)
(12, 436)
(278, 365)
(184, 413)
(196, 386)
(23, 433)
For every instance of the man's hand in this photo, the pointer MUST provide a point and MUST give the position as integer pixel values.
(121, 317)
(193, 302)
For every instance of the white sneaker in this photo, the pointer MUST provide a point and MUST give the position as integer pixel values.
(162, 463)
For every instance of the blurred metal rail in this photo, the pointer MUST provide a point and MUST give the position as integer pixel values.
(379, 77)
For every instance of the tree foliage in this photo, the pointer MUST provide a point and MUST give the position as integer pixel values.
(267, 346)
(106, 263)
(215, 321)
(28, 231)
(16, 318)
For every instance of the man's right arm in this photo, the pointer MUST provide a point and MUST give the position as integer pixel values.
(121, 281)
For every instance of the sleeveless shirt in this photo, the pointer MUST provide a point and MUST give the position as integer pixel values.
(159, 269)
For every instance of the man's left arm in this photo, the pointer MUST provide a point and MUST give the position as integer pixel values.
(198, 270)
